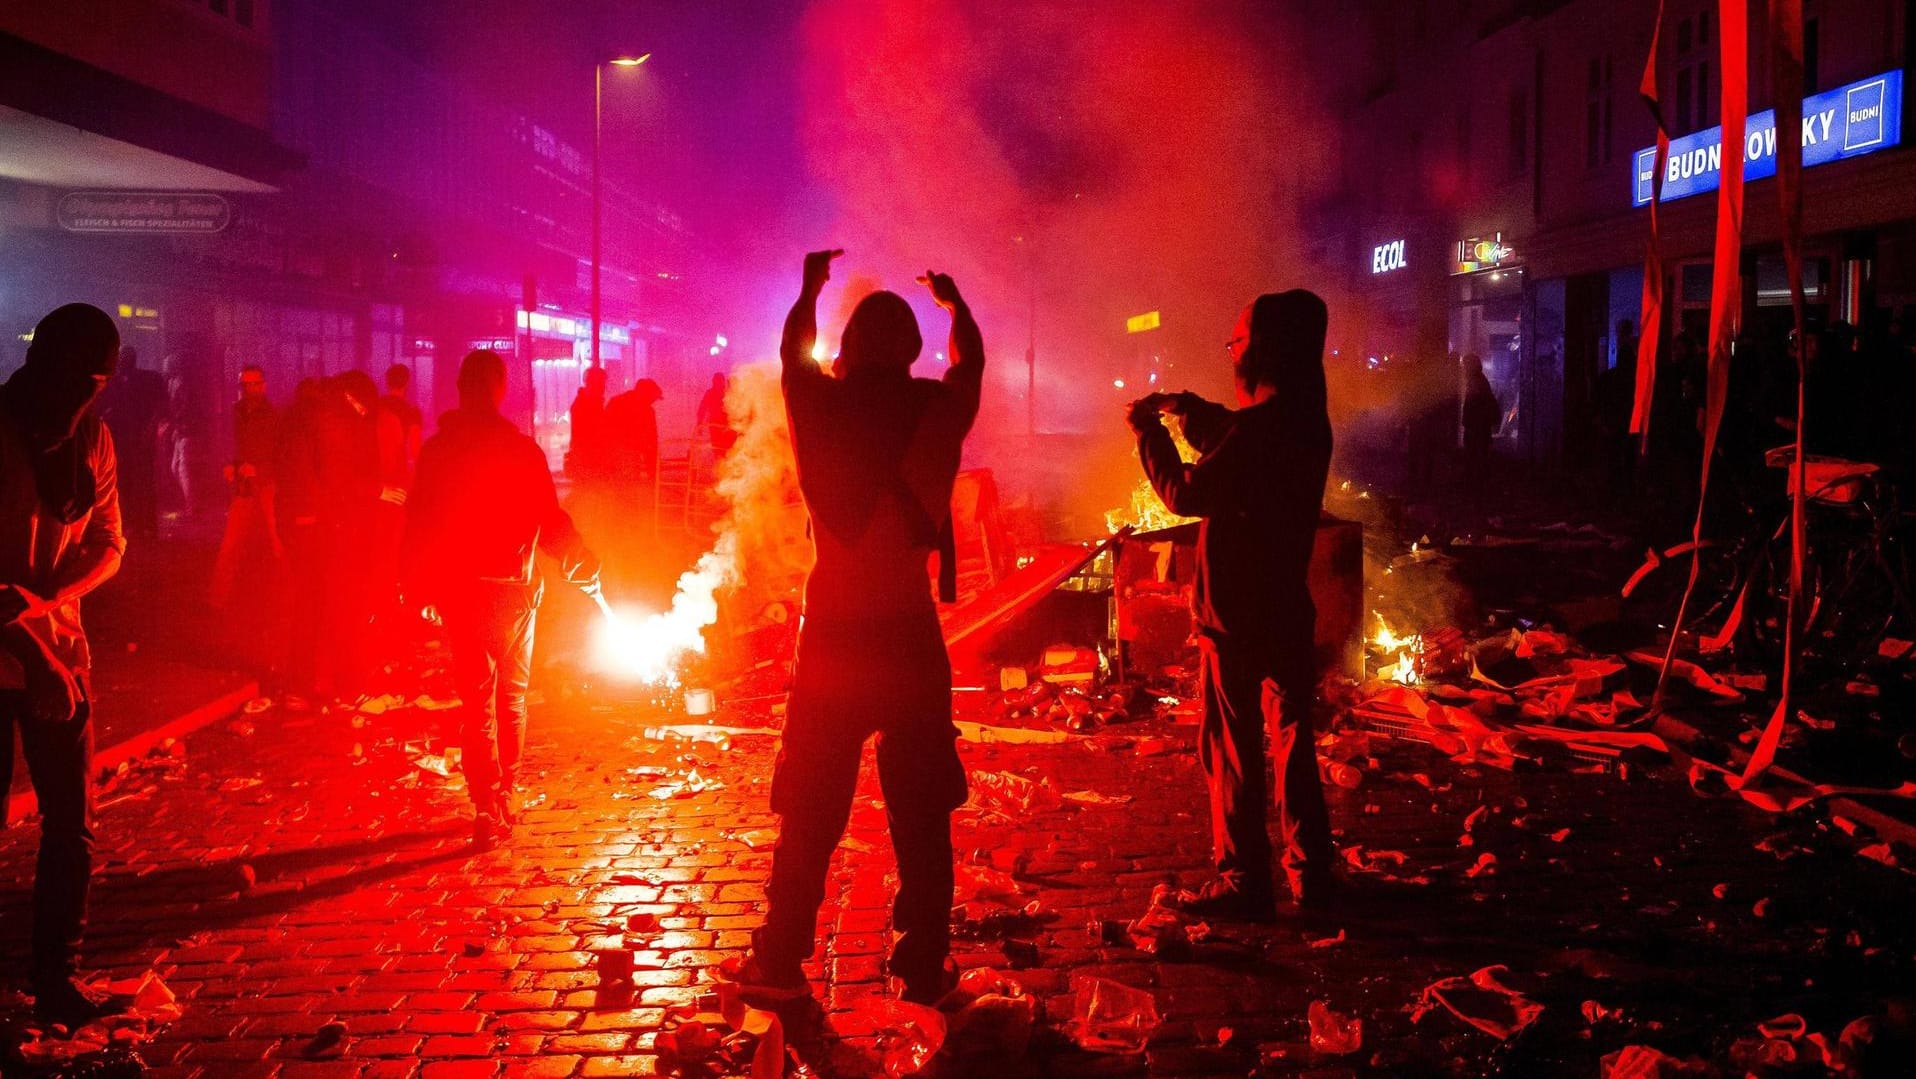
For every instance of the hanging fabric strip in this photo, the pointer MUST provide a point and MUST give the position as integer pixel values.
(1726, 288)
(1650, 321)
(1786, 89)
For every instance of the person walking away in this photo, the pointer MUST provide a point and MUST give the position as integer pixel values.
(134, 408)
(713, 424)
(246, 574)
(482, 505)
(60, 539)
(1258, 485)
(1482, 416)
(877, 454)
(632, 462)
(397, 430)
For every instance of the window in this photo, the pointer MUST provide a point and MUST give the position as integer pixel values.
(220, 6)
(1598, 112)
(1811, 38)
(1693, 75)
(1519, 158)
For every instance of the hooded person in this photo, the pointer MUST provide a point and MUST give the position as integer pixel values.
(483, 504)
(877, 453)
(632, 432)
(60, 538)
(1258, 485)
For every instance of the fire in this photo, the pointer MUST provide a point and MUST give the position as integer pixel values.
(1144, 513)
(1404, 652)
(650, 647)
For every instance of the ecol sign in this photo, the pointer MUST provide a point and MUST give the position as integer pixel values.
(1387, 257)
(1849, 121)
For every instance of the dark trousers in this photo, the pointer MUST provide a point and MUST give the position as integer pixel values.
(489, 628)
(852, 682)
(306, 585)
(1248, 691)
(59, 761)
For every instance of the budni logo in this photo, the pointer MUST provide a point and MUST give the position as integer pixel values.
(1863, 108)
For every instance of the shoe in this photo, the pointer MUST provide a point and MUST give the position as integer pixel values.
(931, 988)
(487, 829)
(1222, 898)
(761, 983)
(71, 1004)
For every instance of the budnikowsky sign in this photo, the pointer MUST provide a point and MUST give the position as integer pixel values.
(1849, 121)
(144, 211)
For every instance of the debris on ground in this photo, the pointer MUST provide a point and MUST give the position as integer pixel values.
(1482, 1000)
(1112, 1017)
(1334, 1033)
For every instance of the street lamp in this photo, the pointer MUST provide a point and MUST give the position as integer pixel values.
(598, 112)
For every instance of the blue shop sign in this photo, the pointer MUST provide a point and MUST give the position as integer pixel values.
(1849, 121)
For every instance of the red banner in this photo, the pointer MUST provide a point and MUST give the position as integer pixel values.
(1650, 322)
(1726, 285)
(1786, 89)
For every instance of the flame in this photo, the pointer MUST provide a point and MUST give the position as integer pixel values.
(1404, 652)
(649, 647)
(1145, 511)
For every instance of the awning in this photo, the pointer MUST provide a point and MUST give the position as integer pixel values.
(65, 123)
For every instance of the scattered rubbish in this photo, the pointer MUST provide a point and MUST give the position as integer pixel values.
(1093, 798)
(985, 734)
(240, 783)
(329, 1038)
(1010, 678)
(374, 706)
(910, 1036)
(439, 764)
(257, 705)
(1326, 942)
(700, 702)
(1644, 1062)
(1012, 795)
(1334, 1033)
(1481, 1000)
(1112, 1017)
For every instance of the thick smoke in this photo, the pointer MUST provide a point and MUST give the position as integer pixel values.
(1091, 161)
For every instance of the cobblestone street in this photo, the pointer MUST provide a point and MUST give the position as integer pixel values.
(288, 871)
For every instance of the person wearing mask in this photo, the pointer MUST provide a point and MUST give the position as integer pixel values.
(482, 505)
(877, 454)
(60, 539)
(1258, 485)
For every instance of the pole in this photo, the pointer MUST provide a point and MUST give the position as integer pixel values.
(1031, 343)
(598, 97)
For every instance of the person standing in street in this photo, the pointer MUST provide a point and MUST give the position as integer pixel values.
(483, 503)
(1482, 415)
(714, 426)
(60, 539)
(246, 575)
(877, 454)
(134, 408)
(1258, 485)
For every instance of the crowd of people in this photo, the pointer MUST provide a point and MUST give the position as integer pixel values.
(340, 489)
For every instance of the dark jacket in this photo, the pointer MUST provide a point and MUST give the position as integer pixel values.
(481, 504)
(1259, 486)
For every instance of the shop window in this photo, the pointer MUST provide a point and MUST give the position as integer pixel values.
(1812, 38)
(1693, 75)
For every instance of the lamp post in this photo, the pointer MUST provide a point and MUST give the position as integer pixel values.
(598, 114)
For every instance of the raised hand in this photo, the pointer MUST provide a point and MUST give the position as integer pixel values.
(943, 290)
(818, 268)
(1142, 413)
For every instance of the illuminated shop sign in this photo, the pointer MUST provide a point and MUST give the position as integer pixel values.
(143, 211)
(1849, 121)
(1140, 323)
(1386, 257)
(1483, 253)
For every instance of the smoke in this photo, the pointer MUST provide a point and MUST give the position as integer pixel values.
(1070, 165)
(762, 526)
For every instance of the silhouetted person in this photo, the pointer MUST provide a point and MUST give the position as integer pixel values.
(877, 454)
(246, 577)
(1482, 416)
(190, 431)
(60, 539)
(1259, 486)
(353, 498)
(400, 427)
(632, 434)
(482, 505)
(1616, 399)
(585, 458)
(135, 409)
(296, 510)
(712, 422)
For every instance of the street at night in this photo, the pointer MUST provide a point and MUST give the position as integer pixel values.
(715, 538)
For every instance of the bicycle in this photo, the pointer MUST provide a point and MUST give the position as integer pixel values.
(1856, 571)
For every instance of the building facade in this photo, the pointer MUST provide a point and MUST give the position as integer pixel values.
(1491, 197)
